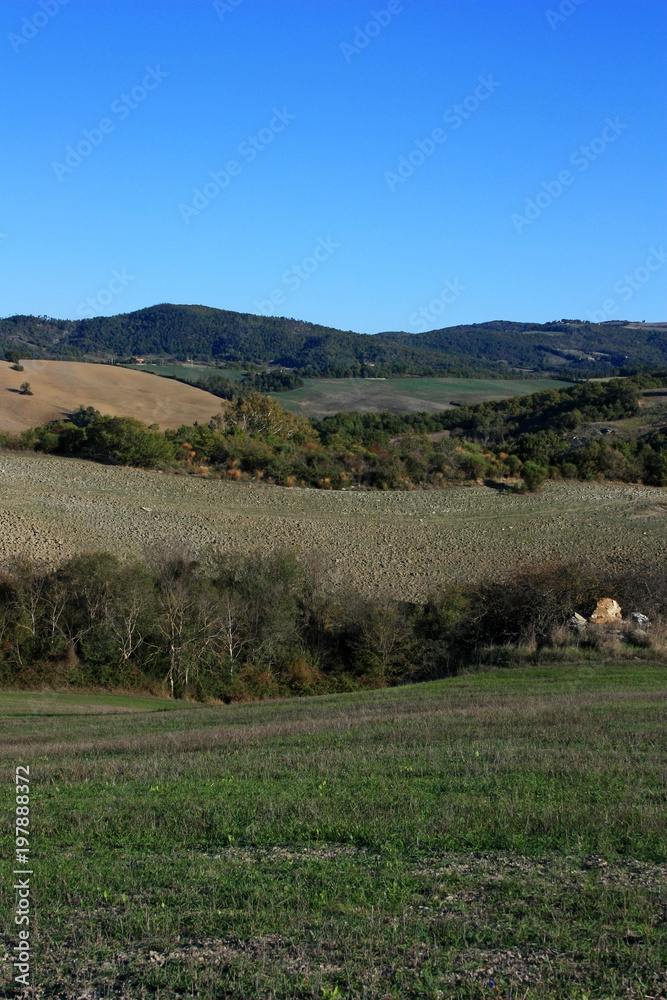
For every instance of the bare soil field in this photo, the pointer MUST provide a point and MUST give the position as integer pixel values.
(60, 387)
(396, 543)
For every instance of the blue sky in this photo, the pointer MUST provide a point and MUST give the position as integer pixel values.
(399, 165)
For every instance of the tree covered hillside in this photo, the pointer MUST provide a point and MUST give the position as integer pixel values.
(218, 335)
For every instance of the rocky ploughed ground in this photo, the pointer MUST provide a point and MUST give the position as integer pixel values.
(398, 543)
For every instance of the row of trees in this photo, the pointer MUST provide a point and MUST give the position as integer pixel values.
(238, 627)
(503, 421)
(253, 438)
(262, 382)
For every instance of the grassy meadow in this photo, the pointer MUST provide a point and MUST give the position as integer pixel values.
(499, 834)
(189, 373)
(323, 397)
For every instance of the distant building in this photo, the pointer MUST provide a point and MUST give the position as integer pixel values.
(138, 361)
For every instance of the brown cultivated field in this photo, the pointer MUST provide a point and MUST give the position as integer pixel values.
(401, 544)
(60, 387)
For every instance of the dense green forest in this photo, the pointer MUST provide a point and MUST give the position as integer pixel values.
(272, 381)
(253, 438)
(239, 627)
(217, 335)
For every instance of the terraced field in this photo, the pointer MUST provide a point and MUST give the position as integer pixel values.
(401, 544)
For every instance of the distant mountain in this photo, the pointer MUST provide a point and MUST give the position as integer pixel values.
(218, 335)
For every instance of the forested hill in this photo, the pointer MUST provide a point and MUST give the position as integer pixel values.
(206, 334)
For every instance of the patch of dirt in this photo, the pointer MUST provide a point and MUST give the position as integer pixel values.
(653, 510)
(402, 544)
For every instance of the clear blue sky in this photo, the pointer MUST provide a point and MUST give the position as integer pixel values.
(314, 208)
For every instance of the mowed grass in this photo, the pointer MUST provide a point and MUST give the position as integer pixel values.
(492, 835)
(322, 397)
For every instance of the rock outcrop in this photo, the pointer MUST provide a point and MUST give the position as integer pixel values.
(606, 612)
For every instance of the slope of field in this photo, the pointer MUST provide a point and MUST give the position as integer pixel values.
(324, 397)
(487, 836)
(398, 543)
(60, 387)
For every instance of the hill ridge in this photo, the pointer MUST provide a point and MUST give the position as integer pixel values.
(205, 333)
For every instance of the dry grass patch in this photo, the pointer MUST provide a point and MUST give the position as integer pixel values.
(60, 387)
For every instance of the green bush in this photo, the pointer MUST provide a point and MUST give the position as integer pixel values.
(533, 476)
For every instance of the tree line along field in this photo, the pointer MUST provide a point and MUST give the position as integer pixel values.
(236, 627)
(485, 836)
(253, 438)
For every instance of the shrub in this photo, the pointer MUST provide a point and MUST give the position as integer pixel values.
(533, 476)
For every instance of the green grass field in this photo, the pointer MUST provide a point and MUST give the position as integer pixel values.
(46, 703)
(321, 397)
(190, 373)
(499, 834)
